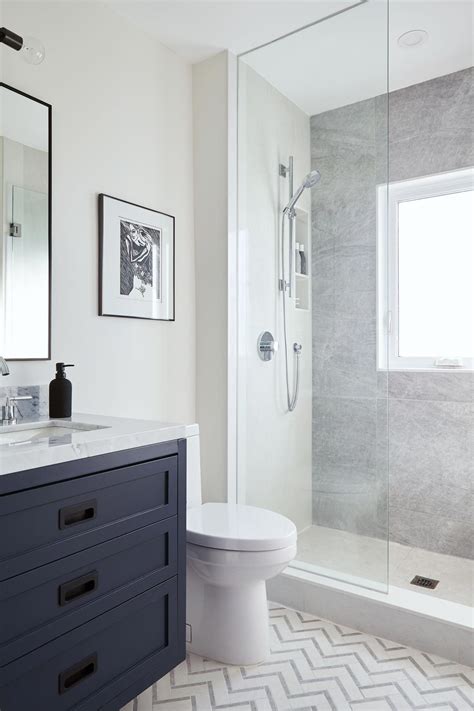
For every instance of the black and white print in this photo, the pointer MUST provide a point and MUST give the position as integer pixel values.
(140, 261)
(136, 261)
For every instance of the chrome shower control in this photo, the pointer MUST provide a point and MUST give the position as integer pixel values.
(266, 345)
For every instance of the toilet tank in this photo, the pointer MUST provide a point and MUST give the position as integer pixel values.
(193, 471)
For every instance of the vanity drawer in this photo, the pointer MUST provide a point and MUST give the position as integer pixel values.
(49, 601)
(90, 665)
(47, 523)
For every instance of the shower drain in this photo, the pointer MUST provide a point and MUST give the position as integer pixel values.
(424, 582)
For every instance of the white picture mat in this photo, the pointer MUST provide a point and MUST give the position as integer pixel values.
(113, 303)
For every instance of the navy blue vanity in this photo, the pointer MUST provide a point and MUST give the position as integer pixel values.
(92, 571)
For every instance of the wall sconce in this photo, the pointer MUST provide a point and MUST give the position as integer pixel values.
(30, 48)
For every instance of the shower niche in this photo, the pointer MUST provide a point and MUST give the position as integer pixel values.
(302, 260)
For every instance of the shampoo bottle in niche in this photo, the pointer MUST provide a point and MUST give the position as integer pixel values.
(297, 258)
(304, 267)
(60, 392)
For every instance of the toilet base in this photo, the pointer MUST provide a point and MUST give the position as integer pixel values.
(228, 623)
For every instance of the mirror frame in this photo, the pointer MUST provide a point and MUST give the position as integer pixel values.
(50, 215)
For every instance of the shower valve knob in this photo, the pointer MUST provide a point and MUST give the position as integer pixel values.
(266, 346)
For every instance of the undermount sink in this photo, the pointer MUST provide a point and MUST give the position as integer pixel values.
(38, 431)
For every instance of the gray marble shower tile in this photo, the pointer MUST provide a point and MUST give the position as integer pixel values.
(436, 385)
(354, 304)
(322, 336)
(344, 360)
(357, 512)
(430, 436)
(431, 128)
(432, 532)
(322, 240)
(431, 442)
(350, 466)
(344, 440)
(382, 384)
(441, 105)
(322, 273)
(344, 203)
(435, 495)
(352, 125)
(381, 138)
(382, 442)
(343, 168)
(360, 233)
(355, 281)
(428, 154)
(346, 191)
(348, 221)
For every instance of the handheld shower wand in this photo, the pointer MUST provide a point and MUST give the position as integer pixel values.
(289, 211)
(310, 180)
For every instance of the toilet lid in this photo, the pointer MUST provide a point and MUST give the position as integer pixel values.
(236, 527)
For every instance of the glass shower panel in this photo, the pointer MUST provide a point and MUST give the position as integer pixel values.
(315, 100)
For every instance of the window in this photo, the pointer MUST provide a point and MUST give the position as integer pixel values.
(426, 272)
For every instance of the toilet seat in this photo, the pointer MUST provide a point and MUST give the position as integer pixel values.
(236, 527)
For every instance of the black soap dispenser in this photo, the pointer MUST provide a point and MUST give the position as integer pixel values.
(60, 392)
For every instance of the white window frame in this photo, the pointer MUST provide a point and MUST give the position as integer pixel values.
(388, 198)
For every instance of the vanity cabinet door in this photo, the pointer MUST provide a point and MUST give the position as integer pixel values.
(44, 524)
(89, 666)
(51, 600)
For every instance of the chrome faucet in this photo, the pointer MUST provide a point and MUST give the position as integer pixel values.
(9, 410)
(4, 369)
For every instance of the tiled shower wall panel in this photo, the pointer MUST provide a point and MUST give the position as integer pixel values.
(407, 434)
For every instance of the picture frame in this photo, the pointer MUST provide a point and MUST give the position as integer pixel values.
(136, 261)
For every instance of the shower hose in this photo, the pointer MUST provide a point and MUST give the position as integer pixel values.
(292, 397)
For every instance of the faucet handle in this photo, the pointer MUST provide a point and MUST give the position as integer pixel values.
(4, 369)
(9, 409)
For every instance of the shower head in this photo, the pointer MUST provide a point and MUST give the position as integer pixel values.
(309, 181)
(312, 178)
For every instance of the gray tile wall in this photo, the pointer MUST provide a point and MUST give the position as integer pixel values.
(407, 435)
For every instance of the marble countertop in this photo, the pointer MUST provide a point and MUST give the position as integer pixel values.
(109, 434)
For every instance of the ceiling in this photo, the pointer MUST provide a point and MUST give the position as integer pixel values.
(344, 59)
(335, 62)
(197, 29)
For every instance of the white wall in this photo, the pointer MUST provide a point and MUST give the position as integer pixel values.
(210, 97)
(122, 124)
(274, 446)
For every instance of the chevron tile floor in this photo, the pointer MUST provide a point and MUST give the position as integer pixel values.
(316, 665)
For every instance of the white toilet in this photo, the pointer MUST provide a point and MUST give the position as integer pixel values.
(231, 551)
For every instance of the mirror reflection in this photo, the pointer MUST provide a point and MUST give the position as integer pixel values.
(24, 209)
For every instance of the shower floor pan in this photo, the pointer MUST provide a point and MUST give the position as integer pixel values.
(438, 621)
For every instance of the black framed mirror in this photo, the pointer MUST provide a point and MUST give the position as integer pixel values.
(25, 209)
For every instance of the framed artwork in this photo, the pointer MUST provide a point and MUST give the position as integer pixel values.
(136, 261)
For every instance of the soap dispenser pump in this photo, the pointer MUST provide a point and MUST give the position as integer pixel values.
(60, 392)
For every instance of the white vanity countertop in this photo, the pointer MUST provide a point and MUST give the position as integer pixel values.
(112, 434)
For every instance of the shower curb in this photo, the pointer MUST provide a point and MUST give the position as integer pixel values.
(449, 635)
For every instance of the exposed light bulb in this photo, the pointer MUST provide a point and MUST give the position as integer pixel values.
(32, 51)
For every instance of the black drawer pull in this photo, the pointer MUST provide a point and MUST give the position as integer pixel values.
(79, 513)
(78, 587)
(77, 673)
